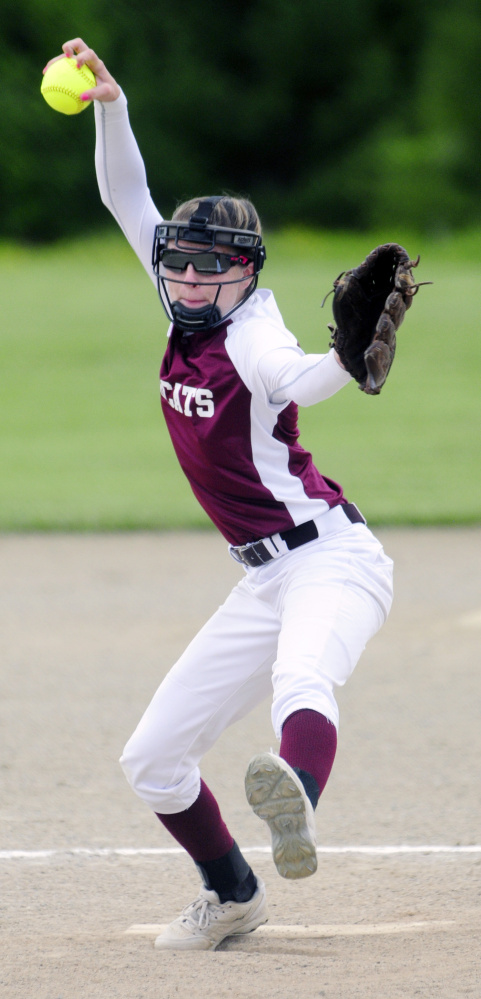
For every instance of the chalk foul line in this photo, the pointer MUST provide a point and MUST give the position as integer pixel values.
(374, 851)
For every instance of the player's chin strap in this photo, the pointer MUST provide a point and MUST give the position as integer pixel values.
(207, 318)
(190, 320)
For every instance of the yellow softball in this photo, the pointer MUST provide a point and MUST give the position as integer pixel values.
(64, 82)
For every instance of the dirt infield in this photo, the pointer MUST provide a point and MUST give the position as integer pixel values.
(89, 625)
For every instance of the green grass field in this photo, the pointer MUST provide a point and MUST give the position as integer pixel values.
(83, 445)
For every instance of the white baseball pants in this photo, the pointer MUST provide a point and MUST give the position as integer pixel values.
(292, 629)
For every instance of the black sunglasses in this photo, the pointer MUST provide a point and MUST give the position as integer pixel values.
(203, 263)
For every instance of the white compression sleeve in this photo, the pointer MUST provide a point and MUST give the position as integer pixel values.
(122, 180)
(301, 378)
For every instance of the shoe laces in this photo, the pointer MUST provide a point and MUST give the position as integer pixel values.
(198, 914)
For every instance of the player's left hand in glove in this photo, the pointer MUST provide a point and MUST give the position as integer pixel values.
(369, 305)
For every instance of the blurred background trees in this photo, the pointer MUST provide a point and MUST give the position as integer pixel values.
(349, 115)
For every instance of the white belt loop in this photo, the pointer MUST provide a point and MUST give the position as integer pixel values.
(275, 545)
(334, 520)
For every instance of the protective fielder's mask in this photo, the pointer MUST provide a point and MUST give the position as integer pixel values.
(170, 260)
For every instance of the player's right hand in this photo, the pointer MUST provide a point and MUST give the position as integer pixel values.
(107, 88)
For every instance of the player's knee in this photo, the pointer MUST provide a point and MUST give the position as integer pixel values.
(135, 768)
(152, 779)
(142, 770)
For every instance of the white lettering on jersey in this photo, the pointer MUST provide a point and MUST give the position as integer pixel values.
(175, 400)
(164, 388)
(204, 401)
(201, 398)
(189, 393)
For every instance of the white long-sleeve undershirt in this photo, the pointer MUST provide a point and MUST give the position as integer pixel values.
(122, 179)
(304, 379)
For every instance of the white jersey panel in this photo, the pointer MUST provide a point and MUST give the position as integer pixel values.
(259, 330)
(271, 459)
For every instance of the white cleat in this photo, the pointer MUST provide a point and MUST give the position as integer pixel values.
(206, 922)
(276, 795)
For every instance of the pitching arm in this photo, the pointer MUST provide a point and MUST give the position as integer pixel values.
(120, 168)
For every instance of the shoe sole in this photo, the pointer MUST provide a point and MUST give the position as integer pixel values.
(277, 796)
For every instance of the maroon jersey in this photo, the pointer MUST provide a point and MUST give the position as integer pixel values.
(240, 454)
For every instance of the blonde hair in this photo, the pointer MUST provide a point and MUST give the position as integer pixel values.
(232, 213)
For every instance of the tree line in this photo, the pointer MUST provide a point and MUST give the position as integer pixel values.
(354, 115)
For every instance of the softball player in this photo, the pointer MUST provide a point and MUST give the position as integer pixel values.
(316, 583)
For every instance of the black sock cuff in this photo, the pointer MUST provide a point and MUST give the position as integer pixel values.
(230, 876)
(309, 784)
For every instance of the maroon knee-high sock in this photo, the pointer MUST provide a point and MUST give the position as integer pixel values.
(200, 829)
(308, 744)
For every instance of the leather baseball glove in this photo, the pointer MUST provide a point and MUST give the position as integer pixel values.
(369, 305)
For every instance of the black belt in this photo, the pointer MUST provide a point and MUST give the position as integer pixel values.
(256, 553)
